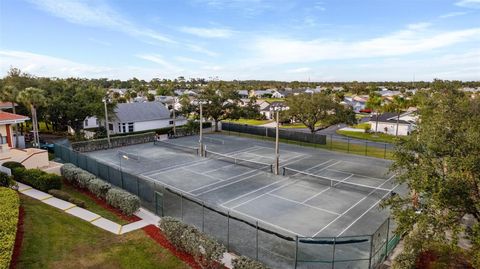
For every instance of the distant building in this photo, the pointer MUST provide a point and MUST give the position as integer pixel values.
(387, 123)
(136, 117)
(7, 120)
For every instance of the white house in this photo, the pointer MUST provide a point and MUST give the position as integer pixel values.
(277, 94)
(136, 117)
(387, 123)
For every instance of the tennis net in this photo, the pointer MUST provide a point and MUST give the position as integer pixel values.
(186, 149)
(248, 163)
(339, 184)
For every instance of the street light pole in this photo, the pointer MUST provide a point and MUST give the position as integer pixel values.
(174, 118)
(277, 151)
(200, 141)
(106, 123)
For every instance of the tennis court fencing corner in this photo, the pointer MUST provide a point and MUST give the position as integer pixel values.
(239, 233)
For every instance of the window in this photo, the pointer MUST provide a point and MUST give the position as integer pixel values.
(119, 127)
(110, 126)
(130, 127)
(171, 122)
(124, 127)
(85, 124)
(97, 122)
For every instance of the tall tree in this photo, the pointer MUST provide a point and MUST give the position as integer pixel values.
(311, 109)
(440, 164)
(398, 104)
(220, 101)
(33, 98)
(10, 94)
(375, 104)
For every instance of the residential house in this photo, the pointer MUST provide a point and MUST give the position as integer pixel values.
(261, 93)
(357, 103)
(243, 94)
(387, 123)
(136, 117)
(266, 109)
(277, 94)
(7, 105)
(7, 138)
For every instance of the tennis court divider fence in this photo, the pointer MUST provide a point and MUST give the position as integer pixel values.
(240, 233)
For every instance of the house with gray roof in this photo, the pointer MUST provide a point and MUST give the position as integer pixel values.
(136, 117)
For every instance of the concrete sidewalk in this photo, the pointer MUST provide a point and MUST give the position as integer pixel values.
(147, 217)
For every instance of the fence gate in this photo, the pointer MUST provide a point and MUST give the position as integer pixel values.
(159, 204)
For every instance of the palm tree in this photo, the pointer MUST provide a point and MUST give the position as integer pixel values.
(375, 104)
(398, 104)
(10, 94)
(33, 98)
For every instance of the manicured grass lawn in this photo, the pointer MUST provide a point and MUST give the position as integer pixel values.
(273, 99)
(297, 125)
(362, 125)
(92, 205)
(251, 121)
(54, 239)
(378, 137)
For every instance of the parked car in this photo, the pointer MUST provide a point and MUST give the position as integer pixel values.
(48, 146)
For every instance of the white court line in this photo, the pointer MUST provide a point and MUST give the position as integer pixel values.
(166, 184)
(194, 172)
(266, 222)
(282, 186)
(307, 205)
(251, 171)
(233, 182)
(294, 161)
(212, 170)
(360, 175)
(245, 194)
(294, 156)
(364, 213)
(327, 189)
(350, 208)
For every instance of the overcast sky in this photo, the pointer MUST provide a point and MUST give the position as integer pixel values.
(328, 40)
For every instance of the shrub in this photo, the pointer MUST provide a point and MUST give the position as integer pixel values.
(99, 187)
(12, 165)
(9, 204)
(206, 251)
(37, 178)
(123, 200)
(66, 197)
(6, 180)
(243, 262)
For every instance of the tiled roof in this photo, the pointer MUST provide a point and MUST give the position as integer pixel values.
(5, 116)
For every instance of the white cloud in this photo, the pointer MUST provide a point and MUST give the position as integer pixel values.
(96, 14)
(158, 59)
(413, 39)
(48, 66)
(200, 49)
(452, 14)
(468, 3)
(208, 32)
(300, 70)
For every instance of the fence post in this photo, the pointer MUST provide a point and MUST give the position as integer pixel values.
(181, 206)
(386, 243)
(385, 151)
(228, 230)
(163, 203)
(296, 251)
(256, 239)
(333, 254)
(203, 217)
(138, 187)
(366, 147)
(331, 142)
(371, 250)
(156, 201)
(348, 145)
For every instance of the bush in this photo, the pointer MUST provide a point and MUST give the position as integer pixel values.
(243, 262)
(6, 180)
(99, 187)
(12, 165)
(37, 178)
(9, 204)
(66, 197)
(123, 200)
(206, 251)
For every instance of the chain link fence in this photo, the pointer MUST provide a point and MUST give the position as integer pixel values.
(239, 233)
(330, 142)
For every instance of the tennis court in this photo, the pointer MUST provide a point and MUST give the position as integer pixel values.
(317, 194)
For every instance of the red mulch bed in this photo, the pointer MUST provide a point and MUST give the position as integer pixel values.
(428, 258)
(104, 204)
(18, 238)
(155, 233)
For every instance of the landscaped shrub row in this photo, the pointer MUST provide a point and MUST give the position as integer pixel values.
(12, 165)
(206, 251)
(118, 198)
(37, 178)
(6, 180)
(9, 204)
(66, 197)
(243, 262)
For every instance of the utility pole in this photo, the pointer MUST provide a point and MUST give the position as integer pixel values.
(107, 127)
(277, 150)
(200, 141)
(174, 119)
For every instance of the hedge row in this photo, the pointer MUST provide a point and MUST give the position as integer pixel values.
(9, 205)
(6, 180)
(243, 262)
(118, 198)
(206, 251)
(37, 178)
